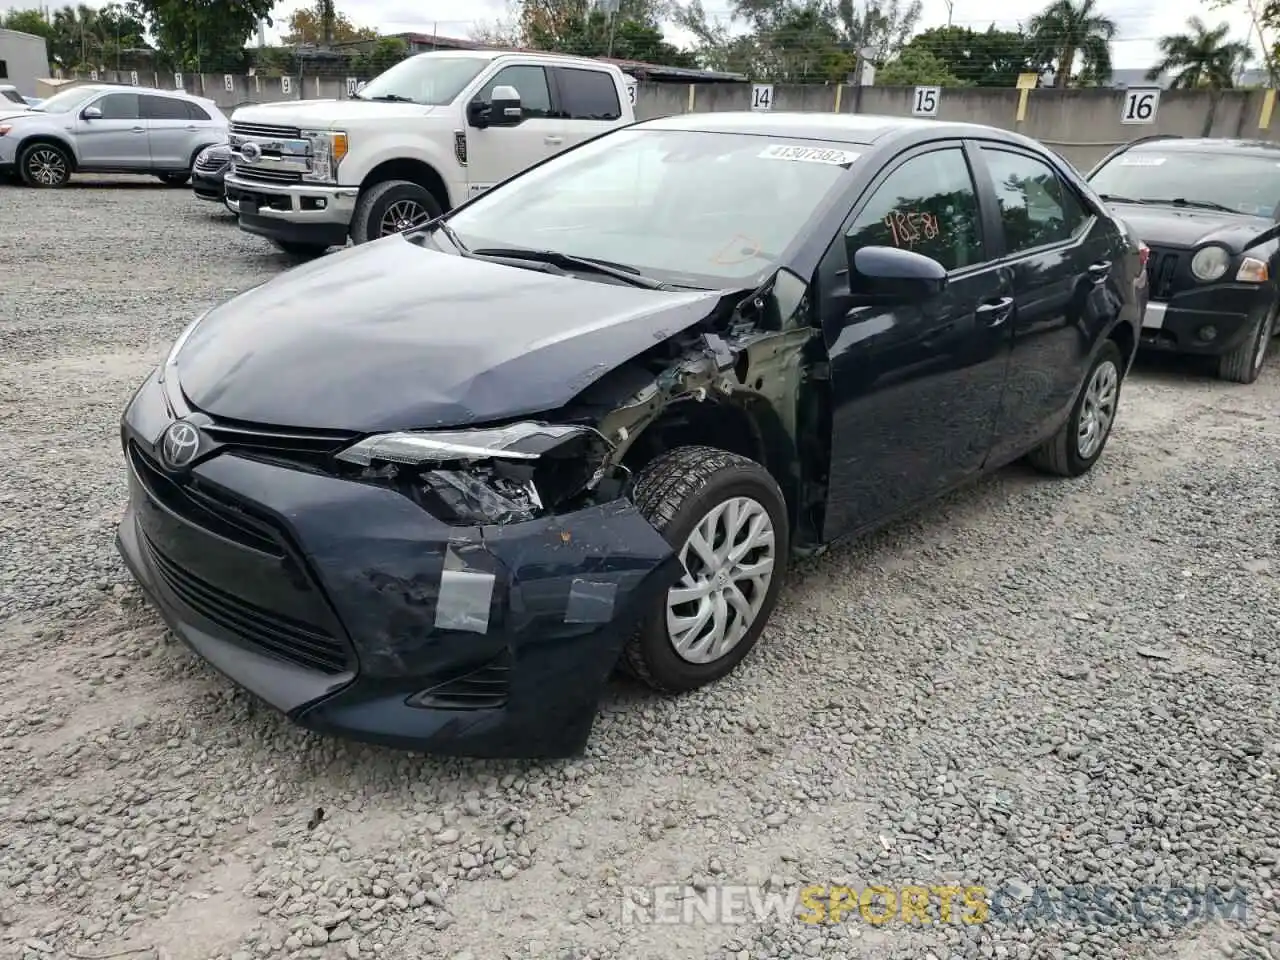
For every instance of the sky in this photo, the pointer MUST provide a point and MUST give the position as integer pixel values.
(1141, 23)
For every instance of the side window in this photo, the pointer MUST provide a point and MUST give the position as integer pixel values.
(119, 106)
(587, 95)
(531, 82)
(13, 96)
(4, 70)
(195, 111)
(927, 205)
(1035, 206)
(162, 108)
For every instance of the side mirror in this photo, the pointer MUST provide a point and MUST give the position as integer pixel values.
(91, 113)
(888, 273)
(503, 110)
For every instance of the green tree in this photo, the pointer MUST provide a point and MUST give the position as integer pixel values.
(990, 58)
(633, 32)
(1067, 29)
(205, 35)
(1201, 57)
(384, 54)
(916, 66)
(308, 25)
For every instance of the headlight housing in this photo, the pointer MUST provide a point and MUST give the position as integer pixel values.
(488, 475)
(328, 147)
(1210, 263)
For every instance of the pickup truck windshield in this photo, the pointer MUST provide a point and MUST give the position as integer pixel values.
(703, 208)
(1240, 182)
(427, 79)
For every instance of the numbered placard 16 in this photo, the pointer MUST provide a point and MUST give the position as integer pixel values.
(228, 82)
(925, 101)
(762, 96)
(1140, 105)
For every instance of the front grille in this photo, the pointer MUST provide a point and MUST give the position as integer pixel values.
(313, 447)
(261, 175)
(1164, 273)
(207, 509)
(265, 130)
(211, 164)
(292, 641)
(485, 688)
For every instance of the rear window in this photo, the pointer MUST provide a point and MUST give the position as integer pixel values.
(587, 95)
(1241, 182)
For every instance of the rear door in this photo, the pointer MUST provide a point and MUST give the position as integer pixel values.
(587, 103)
(169, 130)
(1058, 257)
(915, 387)
(118, 139)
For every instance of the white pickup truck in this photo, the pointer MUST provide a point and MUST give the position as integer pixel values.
(415, 142)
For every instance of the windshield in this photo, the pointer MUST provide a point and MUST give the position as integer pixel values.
(67, 100)
(13, 95)
(703, 208)
(428, 79)
(1240, 182)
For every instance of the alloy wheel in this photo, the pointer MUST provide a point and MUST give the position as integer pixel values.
(728, 561)
(46, 166)
(401, 216)
(1098, 410)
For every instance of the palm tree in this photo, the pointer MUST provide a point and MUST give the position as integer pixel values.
(1066, 28)
(1201, 57)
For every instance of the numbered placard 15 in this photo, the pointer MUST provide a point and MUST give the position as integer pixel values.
(762, 96)
(925, 101)
(1140, 105)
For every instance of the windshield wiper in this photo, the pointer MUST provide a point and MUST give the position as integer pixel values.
(1184, 202)
(390, 98)
(567, 261)
(1112, 198)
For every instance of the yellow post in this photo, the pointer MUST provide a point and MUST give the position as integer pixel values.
(1022, 105)
(689, 108)
(1268, 105)
(1026, 83)
(839, 91)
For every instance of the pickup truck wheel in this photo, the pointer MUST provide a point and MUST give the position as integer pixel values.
(727, 521)
(1075, 448)
(44, 165)
(300, 251)
(1244, 363)
(392, 207)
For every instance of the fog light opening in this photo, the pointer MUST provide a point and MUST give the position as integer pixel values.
(1207, 333)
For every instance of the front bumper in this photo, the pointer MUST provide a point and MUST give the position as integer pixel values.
(208, 186)
(296, 213)
(1231, 309)
(337, 602)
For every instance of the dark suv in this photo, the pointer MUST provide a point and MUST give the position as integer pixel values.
(1209, 210)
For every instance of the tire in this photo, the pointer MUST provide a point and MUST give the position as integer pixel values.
(1245, 362)
(383, 201)
(676, 493)
(44, 165)
(1062, 455)
(300, 251)
(173, 179)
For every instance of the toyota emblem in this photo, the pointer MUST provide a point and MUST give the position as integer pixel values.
(251, 152)
(180, 444)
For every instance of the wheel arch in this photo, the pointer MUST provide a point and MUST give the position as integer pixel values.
(50, 139)
(414, 171)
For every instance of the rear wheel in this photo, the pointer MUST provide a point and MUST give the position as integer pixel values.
(392, 207)
(44, 165)
(1245, 362)
(727, 520)
(1075, 448)
(300, 251)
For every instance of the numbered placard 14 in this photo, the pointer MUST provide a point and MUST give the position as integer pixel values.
(925, 101)
(762, 96)
(1140, 105)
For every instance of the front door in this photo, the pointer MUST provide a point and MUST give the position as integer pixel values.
(169, 131)
(495, 153)
(915, 388)
(118, 139)
(1059, 258)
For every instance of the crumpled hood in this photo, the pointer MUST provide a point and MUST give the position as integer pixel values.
(324, 114)
(391, 335)
(1173, 227)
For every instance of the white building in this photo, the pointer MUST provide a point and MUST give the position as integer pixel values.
(24, 58)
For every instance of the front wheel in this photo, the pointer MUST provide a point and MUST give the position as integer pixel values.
(392, 207)
(727, 521)
(44, 165)
(300, 251)
(1075, 448)
(173, 179)
(1244, 363)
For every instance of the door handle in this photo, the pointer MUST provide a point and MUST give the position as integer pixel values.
(139, 129)
(995, 312)
(1098, 271)
(553, 141)
(192, 127)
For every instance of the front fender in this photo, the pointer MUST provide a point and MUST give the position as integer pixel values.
(379, 148)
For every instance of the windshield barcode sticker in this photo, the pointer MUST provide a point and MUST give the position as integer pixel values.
(1141, 161)
(779, 151)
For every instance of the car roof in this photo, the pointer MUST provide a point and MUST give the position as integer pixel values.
(498, 54)
(1255, 148)
(150, 91)
(860, 128)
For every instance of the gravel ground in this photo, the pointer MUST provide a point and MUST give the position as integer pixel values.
(1064, 683)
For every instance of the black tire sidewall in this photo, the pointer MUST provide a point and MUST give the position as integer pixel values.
(24, 155)
(373, 212)
(668, 667)
(1078, 464)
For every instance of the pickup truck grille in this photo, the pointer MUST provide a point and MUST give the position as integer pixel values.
(265, 176)
(266, 130)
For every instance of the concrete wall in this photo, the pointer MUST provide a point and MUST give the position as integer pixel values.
(26, 59)
(1082, 125)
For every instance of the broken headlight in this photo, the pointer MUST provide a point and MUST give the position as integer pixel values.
(487, 475)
